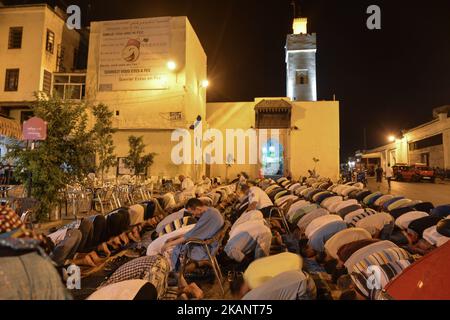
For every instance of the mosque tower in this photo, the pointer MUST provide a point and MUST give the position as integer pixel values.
(301, 50)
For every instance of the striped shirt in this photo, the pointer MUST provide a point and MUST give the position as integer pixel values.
(382, 257)
(370, 284)
(365, 214)
(177, 224)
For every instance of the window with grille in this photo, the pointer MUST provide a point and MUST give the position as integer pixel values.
(50, 42)
(301, 77)
(15, 38)
(12, 80)
(47, 84)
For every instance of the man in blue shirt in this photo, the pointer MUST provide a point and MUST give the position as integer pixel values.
(210, 221)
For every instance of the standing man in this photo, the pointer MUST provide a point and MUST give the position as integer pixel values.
(389, 175)
(379, 175)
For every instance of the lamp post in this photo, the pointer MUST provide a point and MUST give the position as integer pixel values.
(204, 84)
(171, 65)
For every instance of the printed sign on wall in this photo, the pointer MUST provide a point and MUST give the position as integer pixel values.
(134, 54)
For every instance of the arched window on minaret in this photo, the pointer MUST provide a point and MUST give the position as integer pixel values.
(301, 77)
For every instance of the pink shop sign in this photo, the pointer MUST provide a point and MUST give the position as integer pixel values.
(34, 129)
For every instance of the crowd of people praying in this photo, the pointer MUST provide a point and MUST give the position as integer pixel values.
(257, 239)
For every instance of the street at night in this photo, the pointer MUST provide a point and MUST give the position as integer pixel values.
(438, 193)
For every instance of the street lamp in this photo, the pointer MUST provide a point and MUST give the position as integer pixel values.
(204, 83)
(391, 138)
(171, 65)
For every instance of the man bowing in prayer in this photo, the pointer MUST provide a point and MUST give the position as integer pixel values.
(210, 221)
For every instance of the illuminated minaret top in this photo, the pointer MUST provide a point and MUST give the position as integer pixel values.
(300, 25)
(301, 62)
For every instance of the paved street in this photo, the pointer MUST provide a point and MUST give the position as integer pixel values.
(438, 193)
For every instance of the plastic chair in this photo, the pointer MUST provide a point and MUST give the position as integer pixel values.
(281, 217)
(218, 237)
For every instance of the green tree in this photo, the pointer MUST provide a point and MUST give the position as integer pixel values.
(102, 134)
(63, 158)
(136, 159)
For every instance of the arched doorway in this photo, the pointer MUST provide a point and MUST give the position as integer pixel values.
(272, 158)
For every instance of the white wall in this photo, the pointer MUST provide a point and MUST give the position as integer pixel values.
(146, 112)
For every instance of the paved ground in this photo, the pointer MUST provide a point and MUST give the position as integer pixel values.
(438, 193)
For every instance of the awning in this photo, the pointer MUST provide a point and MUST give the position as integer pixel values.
(273, 106)
(10, 128)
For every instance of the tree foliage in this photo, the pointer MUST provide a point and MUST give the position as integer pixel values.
(102, 134)
(136, 159)
(63, 158)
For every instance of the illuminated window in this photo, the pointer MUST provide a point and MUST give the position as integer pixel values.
(301, 77)
(50, 42)
(15, 38)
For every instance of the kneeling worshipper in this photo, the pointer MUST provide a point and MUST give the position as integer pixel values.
(262, 270)
(247, 237)
(247, 216)
(257, 199)
(203, 186)
(415, 235)
(174, 221)
(295, 206)
(439, 234)
(304, 221)
(168, 201)
(441, 211)
(126, 290)
(210, 221)
(359, 285)
(187, 189)
(366, 251)
(27, 273)
(347, 250)
(388, 262)
(411, 228)
(405, 219)
(302, 211)
(342, 238)
(382, 256)
(154, 269)
(318, 233)
(289, 285)
(379, 225)
(61, 248)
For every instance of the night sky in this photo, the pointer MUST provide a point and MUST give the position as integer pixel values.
(386, 80)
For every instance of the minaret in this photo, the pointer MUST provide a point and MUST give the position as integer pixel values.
(301, 63)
